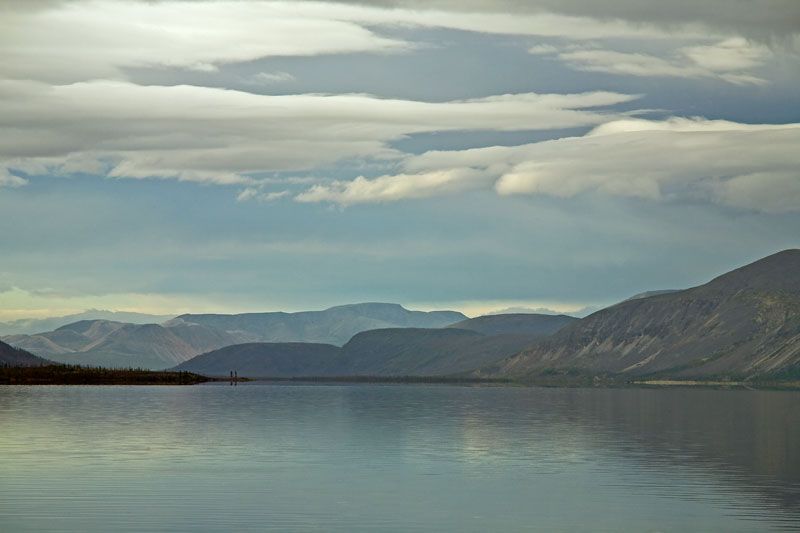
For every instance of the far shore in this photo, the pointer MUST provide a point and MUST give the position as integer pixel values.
(82, 375)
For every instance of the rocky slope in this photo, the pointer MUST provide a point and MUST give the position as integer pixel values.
(744, 323)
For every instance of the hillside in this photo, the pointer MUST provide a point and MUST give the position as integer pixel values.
(14, 357)
(383, 352)
(285, 359)
(116, 344)
(516, 323)
(744, 323)
(335, 325)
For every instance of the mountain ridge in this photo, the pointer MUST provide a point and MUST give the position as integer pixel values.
(745, 322)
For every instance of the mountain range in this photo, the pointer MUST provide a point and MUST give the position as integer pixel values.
(385, 352)
(28, 326)
(158, 346)
(744, 324)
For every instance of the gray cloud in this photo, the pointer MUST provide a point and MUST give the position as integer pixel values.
(740, 165)
(219, 136)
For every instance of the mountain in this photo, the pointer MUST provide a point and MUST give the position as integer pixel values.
(425, 352)
(10, 356)
(648, 294)
(331, 326)
(154, 346)
(744, 323)
(382, 352)
(117, 344)
(516, 323)
(27, 326)
(285, 359)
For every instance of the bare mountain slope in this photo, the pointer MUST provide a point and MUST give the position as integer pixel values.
(743, 323)
(10, 356)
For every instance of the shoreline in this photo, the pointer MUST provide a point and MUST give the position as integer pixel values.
(80, 375)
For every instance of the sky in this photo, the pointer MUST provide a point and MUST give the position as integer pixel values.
(229, 156)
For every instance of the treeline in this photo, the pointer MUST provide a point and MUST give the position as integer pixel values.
(385, 379)
(86, 375)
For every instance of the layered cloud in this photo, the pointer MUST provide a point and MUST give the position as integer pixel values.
(728, 60)
(124, 130)
(69, 41)
(740, 165)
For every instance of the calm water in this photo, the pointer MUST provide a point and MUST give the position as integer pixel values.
(397, 458)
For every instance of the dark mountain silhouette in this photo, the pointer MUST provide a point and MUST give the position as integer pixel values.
(10, 356)
(516, 323)
(744, 323)
(276, 359)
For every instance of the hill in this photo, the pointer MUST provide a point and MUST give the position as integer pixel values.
(516, 323)
(259, 359)
(745, 323)
(14, 357)
(383, 352)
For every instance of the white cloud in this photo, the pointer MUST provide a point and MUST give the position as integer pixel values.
(253, 193)
(84, 40)
(219, 136)
(726, 60)
(7, 179)
(268, 78)
(739, 165)
(395, 187)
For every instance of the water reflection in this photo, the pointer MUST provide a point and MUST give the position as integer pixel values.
(328, 457)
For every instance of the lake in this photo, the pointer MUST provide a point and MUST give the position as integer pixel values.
(377, 457)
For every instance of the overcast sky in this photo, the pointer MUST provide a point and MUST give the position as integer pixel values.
(174, 156)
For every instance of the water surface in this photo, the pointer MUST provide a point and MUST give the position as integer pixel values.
(289, 457)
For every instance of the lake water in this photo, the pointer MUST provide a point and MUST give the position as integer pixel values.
(288, 457)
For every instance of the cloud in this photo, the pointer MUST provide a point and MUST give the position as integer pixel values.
(253, 193)
(727, 60)
(220, 136)
(83, 40)
(7, 179)
(268, 78)
(758, 18)
(395, 187)
(748, 166)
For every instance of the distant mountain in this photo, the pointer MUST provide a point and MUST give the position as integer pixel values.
(27, 326)
(517, 323)
(383, 352)
(331, 326)
(10, 356)
(154, 346)
(116, 344)
(744, 323)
